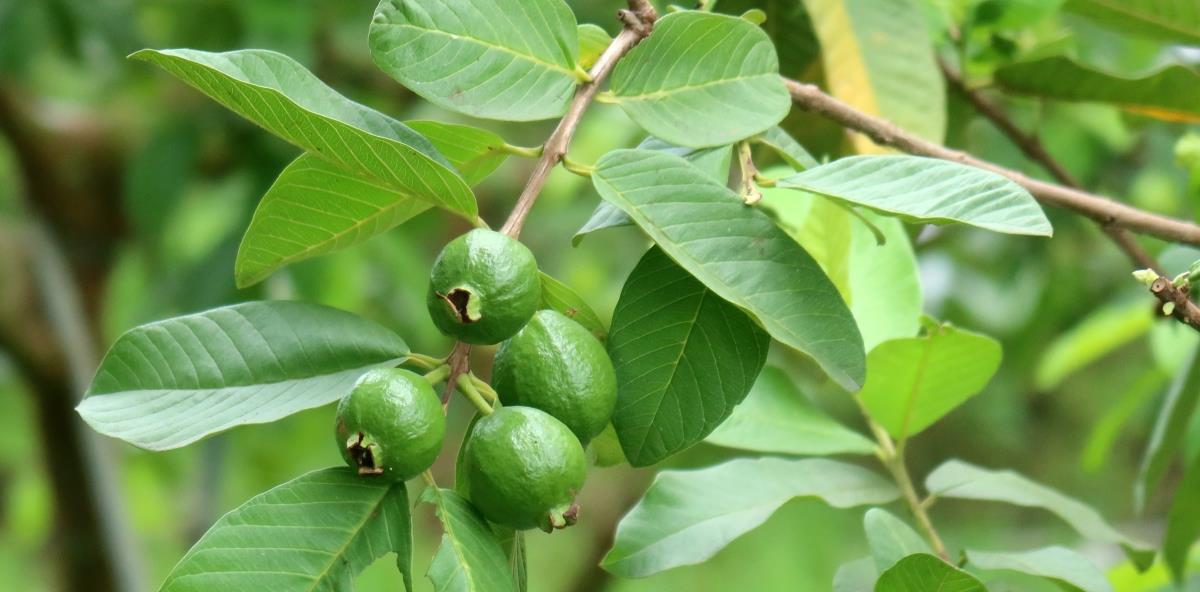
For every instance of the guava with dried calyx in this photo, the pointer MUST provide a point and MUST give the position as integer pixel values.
(391, 425)
(524, 468)
(484, 286)
(558, 366)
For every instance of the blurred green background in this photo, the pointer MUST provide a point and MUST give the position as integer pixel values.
(123, 195)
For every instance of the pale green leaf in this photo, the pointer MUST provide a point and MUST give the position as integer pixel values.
(499, 59)
(593, 40)
(172, 382)
(316, 207)
(702, 79)
(923, 572)
(684, 358)
(777, 418)
(316, 532)
(1169, 429)
(912, 382)
(856, 576)
(559, 296)
(1055, 563)
(879, 58)
(890, 538)
(1183, 522)
(787, 147)
(738, 253)
(688, 516)
(927, 190)
(1172, 93)
(1169, 20)
(957, 479)
(1099, 334)
(277, 93)
(470, 558)
(473, 151)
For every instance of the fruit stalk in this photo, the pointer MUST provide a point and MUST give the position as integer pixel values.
(466, 387)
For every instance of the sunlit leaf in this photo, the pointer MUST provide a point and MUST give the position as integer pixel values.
(593, 40)
(473, 151)
(1054, 563)
(498, 59)
(172, 382)
(688, 516)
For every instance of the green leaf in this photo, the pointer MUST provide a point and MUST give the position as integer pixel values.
(1054, 563)
(593, 40)
(1168, 20)
(712, 161)
(738, 253)
(788, 148)
(683, 357)
(275, 92)
(923, 572)
(789, 28)
(313, 208)
(777, 418)
(688, 516)
(879, 281)
(474, 152)
(856, 576)
(1172, 93)
(927, 191)
(913, 382)
(1170, 429)
(172, 382)
(957, 479)
(470, 558)
(1183, 522)
(316, 532)
(607, 448)
(498, 59)
(702, 79)
(1099, 334)
(878, 57)
(559, 296)
(890, 538)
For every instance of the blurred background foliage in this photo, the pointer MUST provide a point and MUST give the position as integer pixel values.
(123, 195)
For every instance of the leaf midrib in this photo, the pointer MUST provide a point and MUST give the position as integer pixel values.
(667, 92)
(489, 45)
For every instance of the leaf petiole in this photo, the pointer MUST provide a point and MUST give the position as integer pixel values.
(522, 151)
(423, 361)
(578, 168)
(467, 388)
(438, 374)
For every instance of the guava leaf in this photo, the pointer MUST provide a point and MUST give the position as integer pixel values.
(470, 558)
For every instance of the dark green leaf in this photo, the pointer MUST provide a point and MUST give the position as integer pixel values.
(1183, 522)
(316, 532)
(927, 190)
(702, 79)
(958, 479)
(1055, 563)
(913, 382)
(1169, 429)
(738, 253)
(313, 208)
(777, 418)
(683, 357)
(172, 382)
(275, 92)
(923, 572)
(499, 59)
(559, 296)
(688, 516)
(1172, 93)
(470, 558)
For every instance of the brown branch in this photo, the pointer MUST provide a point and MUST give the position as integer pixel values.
(1107, 212)
(1183, 309)
(639, 21)
(1032, 146)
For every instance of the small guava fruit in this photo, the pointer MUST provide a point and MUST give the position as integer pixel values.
(558, 366)
(391, 424)
(483, 288)
(524, 468)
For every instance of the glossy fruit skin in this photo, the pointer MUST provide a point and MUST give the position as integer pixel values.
(524, 469)
(391, 424)
(484, 286)
(558, 366)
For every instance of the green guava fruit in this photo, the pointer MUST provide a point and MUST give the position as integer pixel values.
(558, 366)
(483, 288)
(391, 424)
(524, 468)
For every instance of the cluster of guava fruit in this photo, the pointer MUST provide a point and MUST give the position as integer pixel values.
(523, 463)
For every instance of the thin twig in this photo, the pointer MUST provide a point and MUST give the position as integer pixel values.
(892, 457)
(1031, 145)
(1101, 209)
(639, 21)
(1180, 304)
